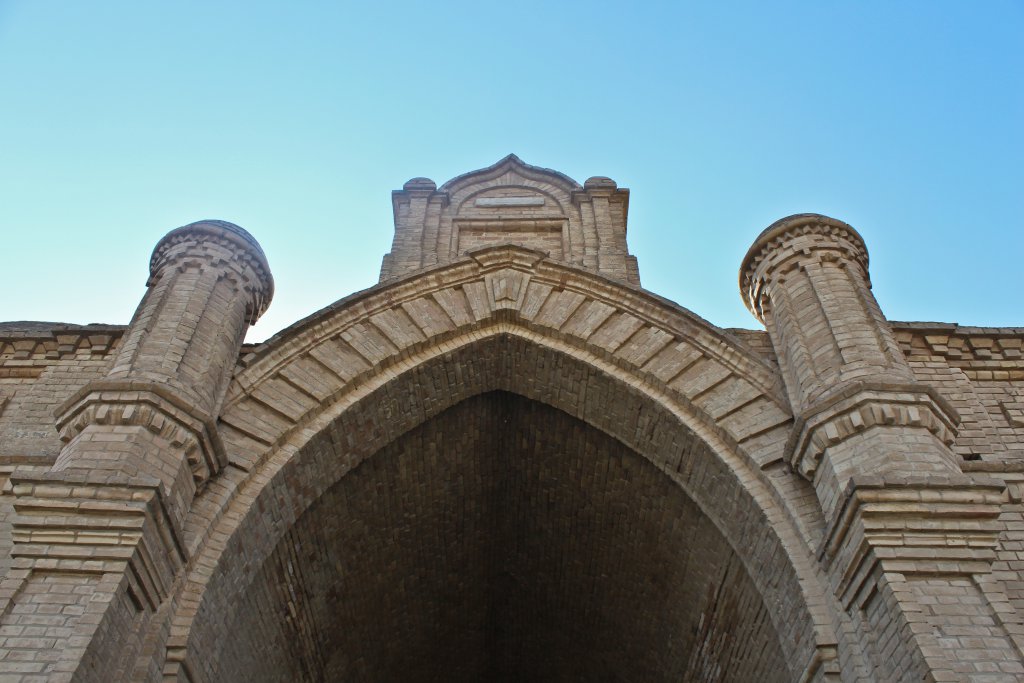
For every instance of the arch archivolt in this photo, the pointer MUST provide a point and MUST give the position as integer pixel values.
(657, 339)
(353, 378)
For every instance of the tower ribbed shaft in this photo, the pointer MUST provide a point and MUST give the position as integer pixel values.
(153, 414)
(859, 408)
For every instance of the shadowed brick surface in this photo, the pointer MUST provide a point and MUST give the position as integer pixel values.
(502, 540)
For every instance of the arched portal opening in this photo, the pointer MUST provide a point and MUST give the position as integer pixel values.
(228, 622)
(505, 540)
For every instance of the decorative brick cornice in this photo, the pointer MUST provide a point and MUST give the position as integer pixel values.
(55, 341)
(482, 265)
(922, 525)
(861, 406)
(983, 353)
(189, 240)
(795, 238)
(152, 406)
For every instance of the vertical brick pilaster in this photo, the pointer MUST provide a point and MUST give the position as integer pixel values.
(416, 241)
(606, 205)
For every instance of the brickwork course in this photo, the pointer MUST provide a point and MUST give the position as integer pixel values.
(508, 461)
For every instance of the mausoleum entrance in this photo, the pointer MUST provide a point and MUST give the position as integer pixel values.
(503, 462)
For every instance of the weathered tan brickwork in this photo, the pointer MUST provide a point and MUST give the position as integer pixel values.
(507, 461)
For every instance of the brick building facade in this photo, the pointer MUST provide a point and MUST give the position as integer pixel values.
(507, 461)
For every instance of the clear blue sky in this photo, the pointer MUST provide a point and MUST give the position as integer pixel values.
(122, 120)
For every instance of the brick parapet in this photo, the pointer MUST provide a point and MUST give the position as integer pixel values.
(981, 371)
(983, 353)
(49, 342)
(40, 364)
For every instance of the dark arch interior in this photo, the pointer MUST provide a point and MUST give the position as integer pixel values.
(502, 540)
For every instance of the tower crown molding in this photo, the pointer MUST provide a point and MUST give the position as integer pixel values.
(789, 241)
(245, 256)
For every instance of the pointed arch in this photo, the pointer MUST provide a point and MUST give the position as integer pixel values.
(694, 402)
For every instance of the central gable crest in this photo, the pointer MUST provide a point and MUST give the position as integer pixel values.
(515, 203)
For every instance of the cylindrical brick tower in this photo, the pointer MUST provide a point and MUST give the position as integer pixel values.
(859, 408)
(209, 281)
(806, 278)
(153, 414)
